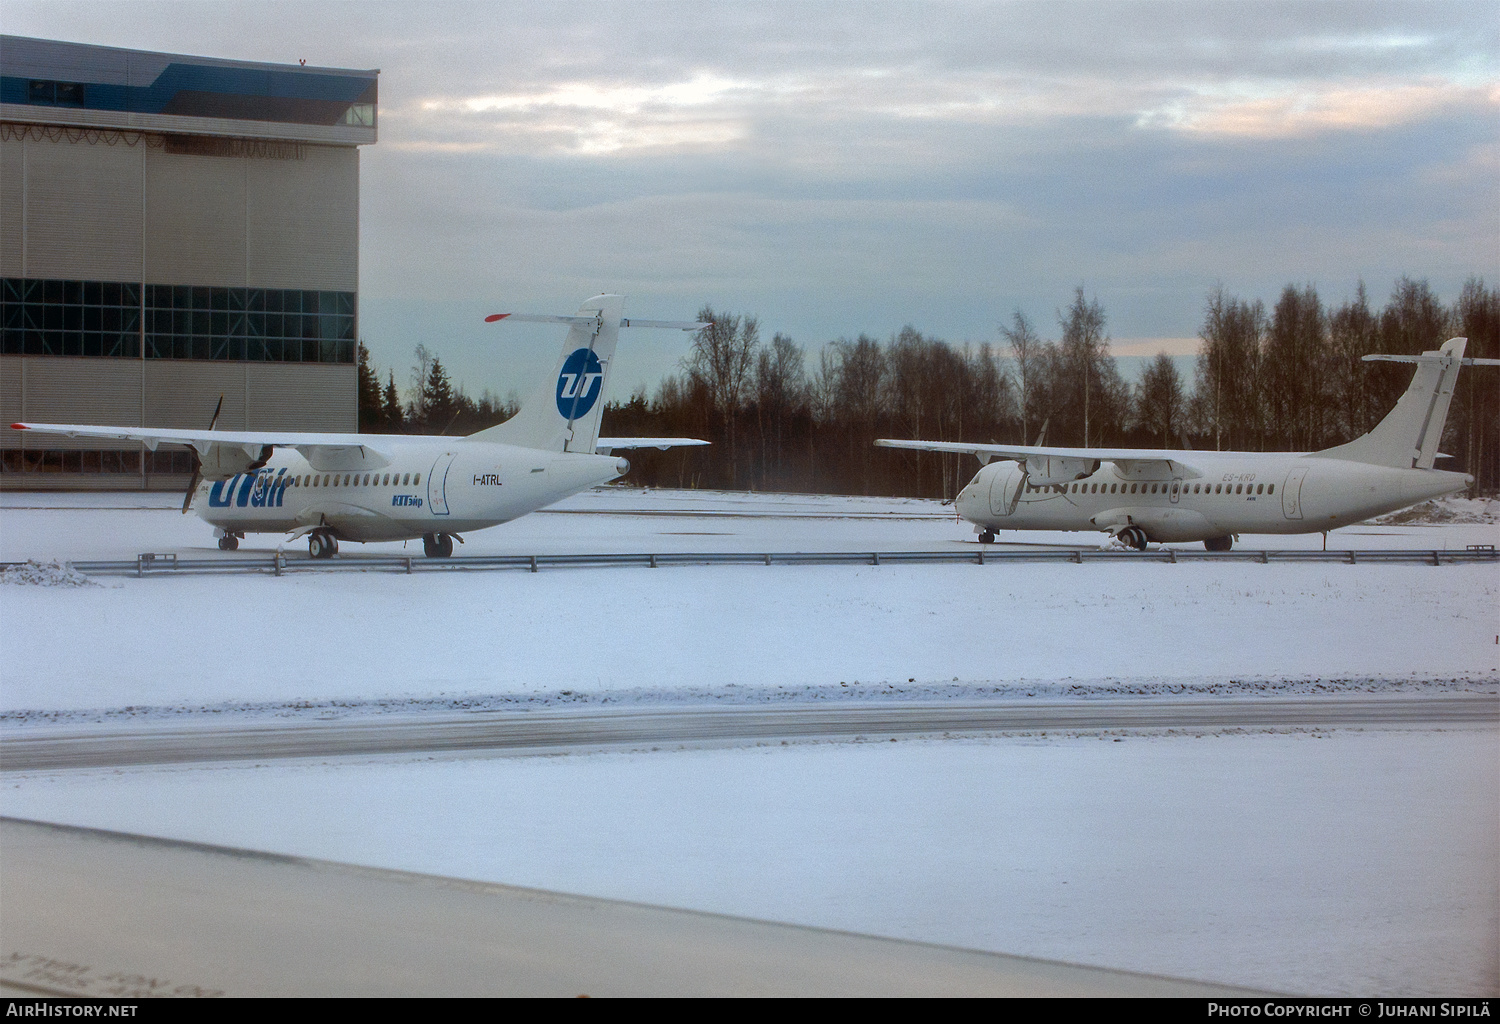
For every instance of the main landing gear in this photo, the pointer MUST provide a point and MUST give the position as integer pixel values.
(321, 544)
(1219, 543)
(229, 542)
(1133, 536)
(987, 537)
(437, 545)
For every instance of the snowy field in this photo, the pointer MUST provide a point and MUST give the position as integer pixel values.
(1345, 861)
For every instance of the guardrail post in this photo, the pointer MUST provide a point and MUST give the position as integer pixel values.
(1172, 555)
(1265, 558)
(1077, 556)
(533, 563)
(1435, 559)
(981, 554)
(768, 558)
(874, 558)
(1352, 559)
(408, 565)
(653, 561)
(277, 562)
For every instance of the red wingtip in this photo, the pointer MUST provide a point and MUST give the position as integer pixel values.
(19, 426)
(495, 316)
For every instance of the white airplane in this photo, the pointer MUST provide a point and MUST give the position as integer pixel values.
(380, 487)
(1139, 495)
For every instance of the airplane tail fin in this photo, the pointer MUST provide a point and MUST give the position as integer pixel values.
(563, 413)
(1408, 436)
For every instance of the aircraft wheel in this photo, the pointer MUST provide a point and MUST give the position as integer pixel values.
(321, 545)
(444, 546)
(987, 537)
(229, 542)
(1218, 543)
(430, 545)
(1134, 536)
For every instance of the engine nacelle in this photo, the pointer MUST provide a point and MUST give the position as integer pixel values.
(226, 460)
(1045, 470)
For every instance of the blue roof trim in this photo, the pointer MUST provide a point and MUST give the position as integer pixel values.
(198, 80)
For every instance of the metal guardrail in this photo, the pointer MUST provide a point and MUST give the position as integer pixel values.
(153, 564)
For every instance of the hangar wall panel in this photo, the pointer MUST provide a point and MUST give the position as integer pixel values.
(195, 219)
(60, 390)
(10, 400)
(290, 397)
(83, 210)
(183, 393)
(12, 188)
(303, 222)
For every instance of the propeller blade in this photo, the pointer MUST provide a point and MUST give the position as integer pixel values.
(187, 499)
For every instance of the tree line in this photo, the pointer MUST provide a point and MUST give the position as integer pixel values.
(1287, 379)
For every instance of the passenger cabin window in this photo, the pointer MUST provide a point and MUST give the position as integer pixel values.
(416, 480)
(1271, 489)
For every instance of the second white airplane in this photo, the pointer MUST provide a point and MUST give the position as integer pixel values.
(1142, 495)
(381, 487)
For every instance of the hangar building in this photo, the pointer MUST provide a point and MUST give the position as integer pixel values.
(173, 229)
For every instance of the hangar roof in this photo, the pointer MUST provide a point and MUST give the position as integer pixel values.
(44, 81)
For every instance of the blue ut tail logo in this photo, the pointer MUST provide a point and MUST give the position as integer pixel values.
(579, 384)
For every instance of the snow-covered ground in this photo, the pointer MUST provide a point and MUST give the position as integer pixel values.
(1351, 861)
(81, 527)
(1345, 862)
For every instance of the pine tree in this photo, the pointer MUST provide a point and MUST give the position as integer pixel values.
(371, 411)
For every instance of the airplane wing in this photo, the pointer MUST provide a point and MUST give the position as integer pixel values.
(223, 450)
(605, 445)
(1046, 464)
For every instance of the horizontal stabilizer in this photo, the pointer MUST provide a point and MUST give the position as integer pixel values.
(1426, 357)
(541, 318)
(605, 445)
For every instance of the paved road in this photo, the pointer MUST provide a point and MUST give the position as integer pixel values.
(91, 913)
(48, 749)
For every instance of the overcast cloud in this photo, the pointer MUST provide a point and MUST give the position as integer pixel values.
(852, 167)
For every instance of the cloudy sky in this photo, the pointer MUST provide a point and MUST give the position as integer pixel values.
(838, 168)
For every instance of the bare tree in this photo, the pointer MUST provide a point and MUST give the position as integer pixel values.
(1160, 403)
(1025, 350)
(779, 387)
(1295, 371)
(721, 361)
(1228, 372)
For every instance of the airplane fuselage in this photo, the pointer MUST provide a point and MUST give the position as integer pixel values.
(427, 485)
(1231, 493)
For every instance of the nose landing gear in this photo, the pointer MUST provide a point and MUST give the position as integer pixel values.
(437, 545)
(229, 542)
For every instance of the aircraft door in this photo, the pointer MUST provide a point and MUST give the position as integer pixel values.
(1176, 490)
(437, 484)
(1291, 494)
(1003, 487)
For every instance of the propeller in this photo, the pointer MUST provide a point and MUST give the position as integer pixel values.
(187, 500)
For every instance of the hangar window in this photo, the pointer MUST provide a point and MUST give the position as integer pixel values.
(56, 94)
